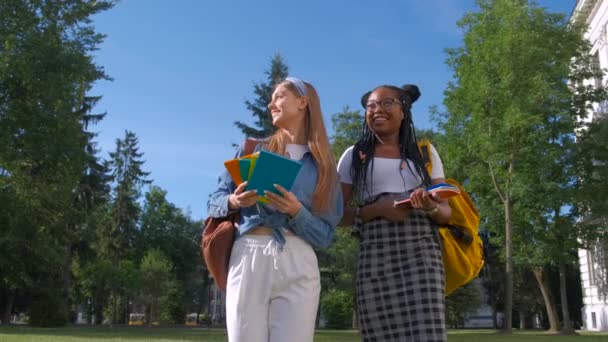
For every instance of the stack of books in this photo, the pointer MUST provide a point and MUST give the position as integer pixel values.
(262, 170)
(443, 190)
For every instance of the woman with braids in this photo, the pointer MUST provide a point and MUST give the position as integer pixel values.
(273, 283)
(400, 278)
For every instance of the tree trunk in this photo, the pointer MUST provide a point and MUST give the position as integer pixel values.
(127, 310)
(210, 312)
(567, 328)
(543, 283)
(508, 321)
(495, 317)
(8, 307)
(98, 307)
(114, 308)
(90, 310)
(198, 312)
(67, 281)
(202, 297)
(151, 316)
(522, 319)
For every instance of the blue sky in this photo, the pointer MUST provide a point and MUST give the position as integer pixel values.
(183, 69)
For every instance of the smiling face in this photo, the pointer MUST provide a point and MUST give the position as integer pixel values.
(287, 108)
(384, 111)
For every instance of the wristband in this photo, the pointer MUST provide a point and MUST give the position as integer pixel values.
(433, 211)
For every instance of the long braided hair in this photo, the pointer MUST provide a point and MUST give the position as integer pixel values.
(364, 148)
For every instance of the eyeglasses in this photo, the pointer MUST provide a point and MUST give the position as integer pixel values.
(386, 104)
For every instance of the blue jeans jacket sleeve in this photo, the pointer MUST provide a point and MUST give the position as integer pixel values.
(319, 230)
(217, 205)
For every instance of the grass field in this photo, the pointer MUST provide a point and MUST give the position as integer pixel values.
(125, 334)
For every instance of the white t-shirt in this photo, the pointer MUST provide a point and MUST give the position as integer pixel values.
(296, 151)
(388, 175)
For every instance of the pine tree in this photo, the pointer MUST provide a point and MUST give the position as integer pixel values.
(118, 239)
(259, 107)
(46, 69)
(128, 177)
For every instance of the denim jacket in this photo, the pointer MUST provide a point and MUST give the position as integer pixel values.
(316, 229)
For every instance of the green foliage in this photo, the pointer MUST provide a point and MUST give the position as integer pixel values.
(348, 127)
(512, 111)
(158, 286)
(46, 71)
(434, 137)
(259, 107)
(126, 166)
(171, 309)
(337, 308)
(339, 262)
(593, 181)
(118, 238)
(165, 227)
(48, 309)
(460, 303)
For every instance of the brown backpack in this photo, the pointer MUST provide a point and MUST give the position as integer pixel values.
(218, 238)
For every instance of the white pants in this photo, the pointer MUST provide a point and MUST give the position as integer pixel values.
(272, 295)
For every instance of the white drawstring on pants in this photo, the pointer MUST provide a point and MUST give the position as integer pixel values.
(271, 249)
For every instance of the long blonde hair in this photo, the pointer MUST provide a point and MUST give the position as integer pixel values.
(318, 143)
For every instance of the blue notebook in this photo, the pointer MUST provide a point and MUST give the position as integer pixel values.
(270, 169)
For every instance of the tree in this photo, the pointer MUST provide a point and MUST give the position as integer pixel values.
(338, 268)
(127, 174)
(590, 204)
(461, 303)
(118, 239)
(511, 110)
(46, 68)
(492, 277)
(156, 281)
(592, 180)
(166, 228)
(348, 126)
(259, 107)
(338, 263)
(337, 307)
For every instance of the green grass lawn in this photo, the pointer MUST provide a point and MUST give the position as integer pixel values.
(106, 334)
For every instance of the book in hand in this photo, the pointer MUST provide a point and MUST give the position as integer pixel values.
(271, 168)
(443, 190)
(240, 169)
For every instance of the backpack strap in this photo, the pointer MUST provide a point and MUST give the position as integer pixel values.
(250, 144)
(424, 145)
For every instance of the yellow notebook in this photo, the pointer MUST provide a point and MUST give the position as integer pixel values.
(240, 169)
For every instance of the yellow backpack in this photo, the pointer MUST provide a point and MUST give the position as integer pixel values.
(462, 248)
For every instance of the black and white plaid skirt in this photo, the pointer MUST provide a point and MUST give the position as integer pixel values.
(400, 281)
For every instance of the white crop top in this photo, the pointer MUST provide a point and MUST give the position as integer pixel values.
(296, 151)
(388, 175)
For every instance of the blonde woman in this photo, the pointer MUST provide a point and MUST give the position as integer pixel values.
(273, 280)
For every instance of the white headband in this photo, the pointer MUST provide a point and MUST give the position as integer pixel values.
(298, 83)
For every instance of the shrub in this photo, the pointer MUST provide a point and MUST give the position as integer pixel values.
(337, 307)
